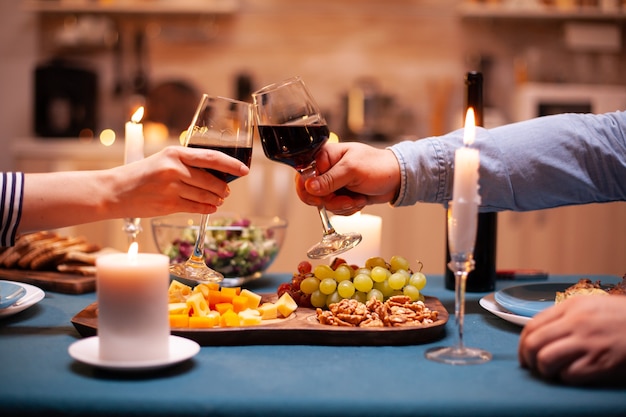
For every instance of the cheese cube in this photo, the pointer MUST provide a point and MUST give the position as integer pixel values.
(250, 317)
(268, 311)
(286, 305)
(178, 308)
(254, 300)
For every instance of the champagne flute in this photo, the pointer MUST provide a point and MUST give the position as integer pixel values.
(225, 125)
(292, 131)
(461, 243)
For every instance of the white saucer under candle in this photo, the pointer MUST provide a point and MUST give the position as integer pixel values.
(133, 322)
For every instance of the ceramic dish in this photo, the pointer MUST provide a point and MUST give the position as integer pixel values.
(33, 296)
(87, 351)
(528, 300)
(10, 293)
(488, 302)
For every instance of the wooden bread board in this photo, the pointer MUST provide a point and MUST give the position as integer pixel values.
(52, 281)
(301, 328)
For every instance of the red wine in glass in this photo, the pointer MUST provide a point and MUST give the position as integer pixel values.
(244, 154)
(295, 146)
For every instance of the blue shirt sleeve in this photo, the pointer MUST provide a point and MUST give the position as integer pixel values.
(12, 185)
(540, 163)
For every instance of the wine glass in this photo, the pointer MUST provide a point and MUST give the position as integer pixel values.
(292, 131)
(461, 237)
(225, 125)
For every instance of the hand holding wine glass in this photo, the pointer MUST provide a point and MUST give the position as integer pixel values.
(223, 125)
(292, 131)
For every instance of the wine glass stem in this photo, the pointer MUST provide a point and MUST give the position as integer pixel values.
(198, 249)
(459, 304)
(310, 172)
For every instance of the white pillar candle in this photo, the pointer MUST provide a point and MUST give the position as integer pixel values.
(465, 198)
(369, 226)
(133, 140)
(133, 323)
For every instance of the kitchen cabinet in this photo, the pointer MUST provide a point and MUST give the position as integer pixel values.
(527, 10)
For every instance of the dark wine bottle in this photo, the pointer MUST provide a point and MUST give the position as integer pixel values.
(483, 277)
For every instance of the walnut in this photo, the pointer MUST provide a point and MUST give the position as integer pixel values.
(396, 311)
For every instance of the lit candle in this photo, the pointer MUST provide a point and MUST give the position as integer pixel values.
(370, 228)
(133, 142)
(133, 323)
(465, 197)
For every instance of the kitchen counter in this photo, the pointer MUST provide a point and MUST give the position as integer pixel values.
(40, 378)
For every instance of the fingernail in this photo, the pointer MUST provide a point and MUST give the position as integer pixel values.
(314, 185)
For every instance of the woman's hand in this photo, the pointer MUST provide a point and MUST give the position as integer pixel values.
(176, 180)
(351, 175)
(579, 341)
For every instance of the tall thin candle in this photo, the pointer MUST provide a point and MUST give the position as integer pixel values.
(133, 141)
(465, 197)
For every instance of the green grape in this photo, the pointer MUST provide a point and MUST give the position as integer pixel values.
(365, 271)
(397, 280)
(342, 273)
(323, 271)
(374, 293)
(363, 282)
(328, 285)
(318, 299)
(418, 280)
(309, 285)
(375, 261)
(379, 274)
(384, 288)
(404, 272)
(345, 289)
(395, 292)
(333, 298)
(411, 292)
(398, 262)
(360, 296)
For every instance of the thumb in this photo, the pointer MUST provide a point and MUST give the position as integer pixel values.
(320, 185)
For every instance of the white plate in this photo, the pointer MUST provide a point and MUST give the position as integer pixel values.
(10, 293)
(529, 299)
(489, 303)
(33, 296)
(88, 351)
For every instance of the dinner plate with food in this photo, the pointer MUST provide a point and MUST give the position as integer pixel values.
(518, 304)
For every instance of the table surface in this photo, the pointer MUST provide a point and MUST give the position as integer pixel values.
(40, 378)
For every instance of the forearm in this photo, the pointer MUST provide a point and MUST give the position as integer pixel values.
(60, 199)
(541, 163)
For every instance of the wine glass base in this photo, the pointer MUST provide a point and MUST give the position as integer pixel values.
(458, 356)
(195, 273)
(334, 244)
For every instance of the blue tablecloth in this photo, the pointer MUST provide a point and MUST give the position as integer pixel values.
(38, 377)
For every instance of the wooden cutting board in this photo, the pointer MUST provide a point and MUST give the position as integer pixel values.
(301, 328)
(52, 281)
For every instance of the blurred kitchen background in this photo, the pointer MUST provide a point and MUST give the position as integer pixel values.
(399, 64)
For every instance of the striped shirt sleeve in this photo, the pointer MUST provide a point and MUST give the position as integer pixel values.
(12, 185)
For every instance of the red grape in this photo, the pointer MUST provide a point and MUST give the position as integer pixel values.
(305, 267)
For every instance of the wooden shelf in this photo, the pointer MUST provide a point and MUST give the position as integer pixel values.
(486, 11)
(135, 7)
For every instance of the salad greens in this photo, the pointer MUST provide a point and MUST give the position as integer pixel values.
(233, 247)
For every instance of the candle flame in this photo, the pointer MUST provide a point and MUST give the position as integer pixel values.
(470, 127)
(133, 250)
(137, 116)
